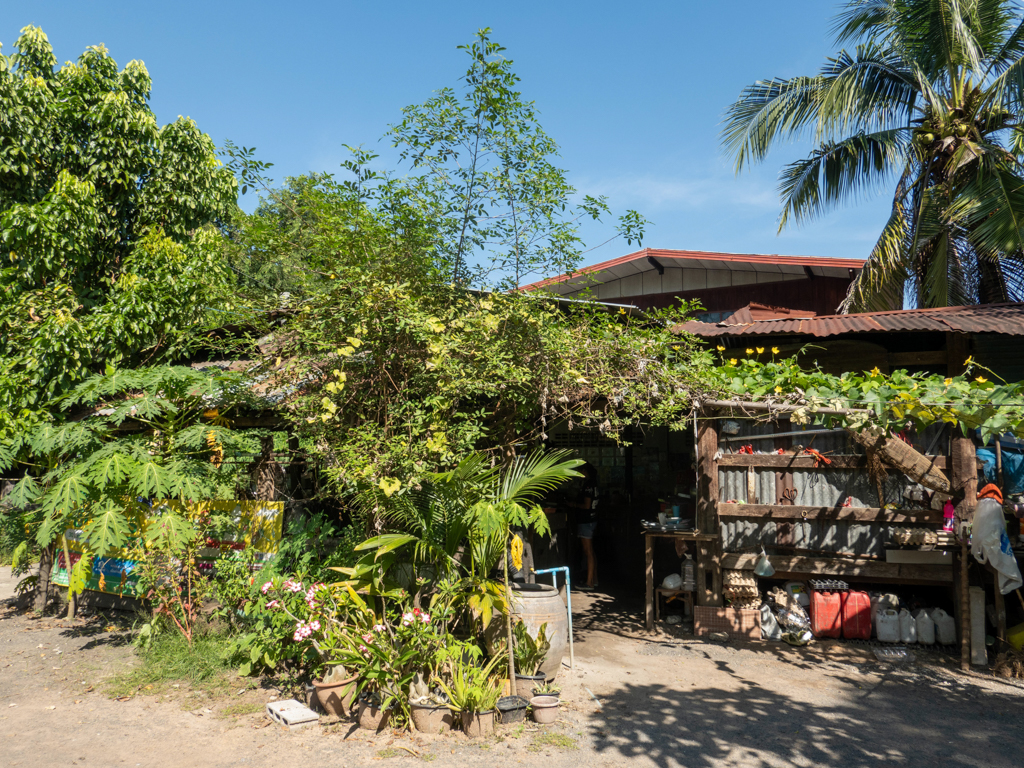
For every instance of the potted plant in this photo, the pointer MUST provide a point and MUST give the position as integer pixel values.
(429, 710)
(547, 689)
(473, 692)
(529, 653)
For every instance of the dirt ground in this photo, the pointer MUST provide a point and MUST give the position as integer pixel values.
(662, 700)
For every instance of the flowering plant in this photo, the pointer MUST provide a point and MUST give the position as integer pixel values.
(292, 621)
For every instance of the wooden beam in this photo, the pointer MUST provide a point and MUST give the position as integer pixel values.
(850, 514)
(964, 471)
(794, 461)
(847, 568)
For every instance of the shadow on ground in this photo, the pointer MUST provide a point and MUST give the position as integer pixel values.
(924, 723)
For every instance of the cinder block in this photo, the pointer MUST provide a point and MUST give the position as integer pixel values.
(292, 714)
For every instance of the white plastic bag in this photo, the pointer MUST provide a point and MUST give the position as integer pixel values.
(990, 544)
(770, 629)
(908, 627)
(945, 627)
(925, 627)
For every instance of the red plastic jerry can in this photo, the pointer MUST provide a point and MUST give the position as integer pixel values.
(827, 614)
(856, 616)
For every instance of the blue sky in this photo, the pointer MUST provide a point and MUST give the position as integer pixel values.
(633, 92)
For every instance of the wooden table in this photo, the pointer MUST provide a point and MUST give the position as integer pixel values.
(649, 537)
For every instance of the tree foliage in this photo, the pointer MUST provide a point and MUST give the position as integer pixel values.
(150, 434)
(931, 99)
(103, 253)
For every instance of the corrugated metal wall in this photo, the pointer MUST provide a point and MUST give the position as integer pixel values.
(820, 488)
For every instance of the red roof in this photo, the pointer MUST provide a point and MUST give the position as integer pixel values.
(982, 318)
(701, 259)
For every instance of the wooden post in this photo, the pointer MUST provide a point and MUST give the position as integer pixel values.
(964, 480)
(707, 511)
(649, 573)
(72, 598)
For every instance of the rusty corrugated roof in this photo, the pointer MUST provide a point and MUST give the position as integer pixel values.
(983, 318)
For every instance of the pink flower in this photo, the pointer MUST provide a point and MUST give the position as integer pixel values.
(368, 638)
(293, 586)
(365, 651)
(407, 619)
(378, 627)
(425, 618)
(273, 604)
(266, 587)
(314, 625)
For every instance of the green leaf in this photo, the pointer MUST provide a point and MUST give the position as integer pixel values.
(80, 574)
(107, 531)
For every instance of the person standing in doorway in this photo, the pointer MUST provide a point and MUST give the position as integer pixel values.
(586, 522)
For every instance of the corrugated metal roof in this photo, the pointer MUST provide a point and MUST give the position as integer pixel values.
(984, 318)
(635, 263)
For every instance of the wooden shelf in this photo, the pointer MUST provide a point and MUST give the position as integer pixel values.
(850, 514)
(844, 567)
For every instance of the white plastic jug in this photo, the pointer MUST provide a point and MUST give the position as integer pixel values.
(925, 627)
(887, 626)
(880, 602)
(945, 627)
(908, 627)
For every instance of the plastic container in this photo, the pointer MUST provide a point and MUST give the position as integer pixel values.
(856, 615)
(770, 629)
(880, 602)
(887, 626)
(908, 627)
(945, 627)
(687, 573)
(545, 709)
(925, 627)
(798, 591)
(827, 613)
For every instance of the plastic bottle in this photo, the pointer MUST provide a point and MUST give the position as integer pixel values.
(925, 627)
(687, 573)
(887, 625)
(908, 627)
(945, 627)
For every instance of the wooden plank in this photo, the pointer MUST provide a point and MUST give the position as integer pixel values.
(791, 461)
(964, 479)
(853, 514)
(866, 570)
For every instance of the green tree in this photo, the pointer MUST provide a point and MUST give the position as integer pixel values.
(484, 169)
(105, 253)
(931, 99)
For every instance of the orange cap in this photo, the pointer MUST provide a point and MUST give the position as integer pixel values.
(990, 491)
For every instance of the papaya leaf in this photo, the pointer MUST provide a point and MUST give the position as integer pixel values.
(19, 552)
(80, 573)
(108, 530)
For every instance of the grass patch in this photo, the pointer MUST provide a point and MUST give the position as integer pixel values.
(384, 754)
(549, 740)
(170, 659)
(241, 709)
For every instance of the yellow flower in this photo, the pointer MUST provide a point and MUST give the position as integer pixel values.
(875, 371)
(720, 348)
(750, 351)
(733, 361)
(947, 382)
(622, 311)
(675, 347)
(778, 390)
(981, 379)
(760, 350)
(775, 350)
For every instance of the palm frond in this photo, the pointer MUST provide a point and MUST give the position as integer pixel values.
(530, 477)
(835, 173)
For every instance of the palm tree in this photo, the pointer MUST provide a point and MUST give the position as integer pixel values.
(931, 99)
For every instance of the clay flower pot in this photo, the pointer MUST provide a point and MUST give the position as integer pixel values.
(545, 709)
(334, 698)
(476, 724)
(431, 719)
(371, 716)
